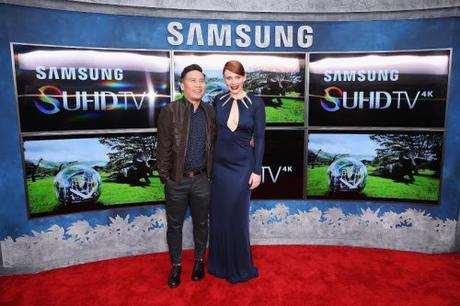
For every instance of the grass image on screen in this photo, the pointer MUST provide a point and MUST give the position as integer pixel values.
(67, 175)
(277, 78)
(397, 166)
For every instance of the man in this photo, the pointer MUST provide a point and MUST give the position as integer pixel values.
(186, 131)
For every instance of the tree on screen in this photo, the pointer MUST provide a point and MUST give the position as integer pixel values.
(130, 149)
(424, 149)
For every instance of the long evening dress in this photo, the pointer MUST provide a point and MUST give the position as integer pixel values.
(234, 161)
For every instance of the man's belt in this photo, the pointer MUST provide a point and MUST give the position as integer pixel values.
(193, 173)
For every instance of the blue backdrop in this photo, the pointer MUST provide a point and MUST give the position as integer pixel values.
(42, 26)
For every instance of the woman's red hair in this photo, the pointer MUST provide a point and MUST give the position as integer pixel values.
(235, 67)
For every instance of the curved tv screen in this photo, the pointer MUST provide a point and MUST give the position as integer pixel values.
(385, 165)
(385, 89)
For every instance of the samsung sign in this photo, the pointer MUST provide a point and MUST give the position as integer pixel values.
(241, 35)
(70, 88)
(393, 88)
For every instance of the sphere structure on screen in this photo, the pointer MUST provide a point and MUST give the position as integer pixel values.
(77, 184)
(347, 174)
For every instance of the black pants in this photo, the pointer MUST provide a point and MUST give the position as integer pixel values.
(193, 191)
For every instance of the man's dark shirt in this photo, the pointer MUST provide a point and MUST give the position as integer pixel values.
(195, 156)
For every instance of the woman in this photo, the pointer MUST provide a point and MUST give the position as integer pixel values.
(237, 170)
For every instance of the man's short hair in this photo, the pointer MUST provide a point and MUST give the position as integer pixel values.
(190, 68)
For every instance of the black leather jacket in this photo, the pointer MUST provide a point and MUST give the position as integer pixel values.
(173, 130)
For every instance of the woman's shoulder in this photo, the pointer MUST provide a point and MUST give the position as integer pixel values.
(253, 96)
(256, 100)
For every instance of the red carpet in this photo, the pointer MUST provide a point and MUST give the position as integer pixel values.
(289, 275)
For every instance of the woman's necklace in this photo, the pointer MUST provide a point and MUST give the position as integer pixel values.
(245, 99)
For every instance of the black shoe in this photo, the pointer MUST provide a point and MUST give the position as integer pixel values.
(174, 276)
(198, 270)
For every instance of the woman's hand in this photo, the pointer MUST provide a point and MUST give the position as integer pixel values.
(254, 181)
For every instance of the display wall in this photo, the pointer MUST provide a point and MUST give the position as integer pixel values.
(75, 92)
(299, 202)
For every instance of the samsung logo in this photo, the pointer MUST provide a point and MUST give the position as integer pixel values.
(241, 35)
(78, 73)
(361, 75)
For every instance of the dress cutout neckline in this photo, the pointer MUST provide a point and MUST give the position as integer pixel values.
(233, 116)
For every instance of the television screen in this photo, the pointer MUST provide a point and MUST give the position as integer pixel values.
(400, 166)
(66, 89)
(384, 89)
(283, 166)
(91, 172)
(279, 79)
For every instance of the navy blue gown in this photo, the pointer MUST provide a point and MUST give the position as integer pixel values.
(234, 160)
